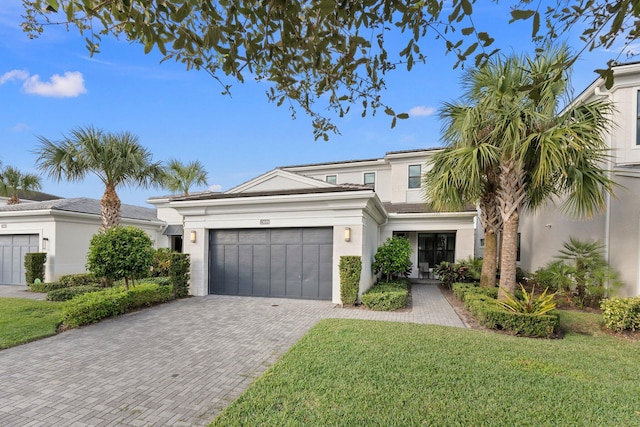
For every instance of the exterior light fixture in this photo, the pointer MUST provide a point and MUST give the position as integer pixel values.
(192, 236)
(347, 234)
(45, 242)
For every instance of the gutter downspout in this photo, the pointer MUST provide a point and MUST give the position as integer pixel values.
(607, 218)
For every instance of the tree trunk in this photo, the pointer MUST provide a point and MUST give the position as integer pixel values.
(14, 200)
(511, 197)
(489, 264)
(110, 208)
(509, 253)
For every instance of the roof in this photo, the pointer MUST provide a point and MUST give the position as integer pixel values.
(388, 153)
(406, 208)
(82, 205)
(36, 196)
(333, 189)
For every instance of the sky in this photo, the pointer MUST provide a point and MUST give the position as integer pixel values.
(51, 85)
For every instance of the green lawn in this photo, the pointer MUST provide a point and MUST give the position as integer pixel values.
(352, 373)
(23, 320)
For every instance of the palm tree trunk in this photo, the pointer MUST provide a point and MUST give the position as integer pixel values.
(110, 208)
(489, 263)
(510, 196)
(14, 200)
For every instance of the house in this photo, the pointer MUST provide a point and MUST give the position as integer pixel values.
(618, 227)
(32, 196)
(282, 233)
(63, 229)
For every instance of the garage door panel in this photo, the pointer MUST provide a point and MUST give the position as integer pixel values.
(294, 270)
(230, 269)
(278, 274)
(13, 248)
(294, 262)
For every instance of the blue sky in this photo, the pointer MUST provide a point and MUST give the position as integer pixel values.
(50, 85)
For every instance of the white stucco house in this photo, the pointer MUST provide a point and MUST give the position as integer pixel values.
(283, 233)
(63, 229)
(618, 227)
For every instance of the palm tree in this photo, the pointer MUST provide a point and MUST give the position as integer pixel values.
(180, 177)
(13, 181)
(117, 159)
(512, 145)
(465, 173)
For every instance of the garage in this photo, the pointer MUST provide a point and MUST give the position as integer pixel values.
(283, 262)
(13, 248)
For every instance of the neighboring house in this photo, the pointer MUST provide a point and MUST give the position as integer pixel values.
(618, 227)
(283, 233)
(63, 229)
(32, 196)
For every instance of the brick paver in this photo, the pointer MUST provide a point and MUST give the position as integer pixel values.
(177, 364)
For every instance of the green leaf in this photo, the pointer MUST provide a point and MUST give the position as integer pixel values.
(389, 111)
(536, 24)
(403, 116)
(518, 14)
(466, 7)
(53, 6)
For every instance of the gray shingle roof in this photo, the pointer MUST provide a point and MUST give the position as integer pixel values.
(407, 208)
(333, 189)
(82, 205)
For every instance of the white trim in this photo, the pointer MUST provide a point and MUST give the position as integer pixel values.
(305, 181)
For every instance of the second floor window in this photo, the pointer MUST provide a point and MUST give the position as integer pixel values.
(332, 179)
(370, 178)
(414, 176)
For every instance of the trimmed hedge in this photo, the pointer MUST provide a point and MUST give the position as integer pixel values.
(387, 296)
(179, 268)
(81, 279)
(65, 294)
(95, 306)
(481, 302)
(34, 266)
(350, 269)
(46, 287)
(162, 281)
(621, 314)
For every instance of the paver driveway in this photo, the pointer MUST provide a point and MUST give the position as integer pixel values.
(177, 365)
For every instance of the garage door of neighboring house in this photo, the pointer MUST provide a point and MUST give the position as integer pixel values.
(289, 262)
(13, 248)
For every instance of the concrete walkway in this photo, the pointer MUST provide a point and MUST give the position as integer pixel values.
(178, 364)
(20, 291)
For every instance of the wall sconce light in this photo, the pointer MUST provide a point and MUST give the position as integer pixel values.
(192, 236)
(347, 234)
(45, 242)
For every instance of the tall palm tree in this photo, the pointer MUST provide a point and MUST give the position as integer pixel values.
(180, 177)
(514, 146)
(117, 159)
(465, 173)
(13, 181)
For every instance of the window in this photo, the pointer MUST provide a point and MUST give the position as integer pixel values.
(331, 179)
(638, 119)
(482, 243)
(414, 176)
(370, 178)
(433, 248)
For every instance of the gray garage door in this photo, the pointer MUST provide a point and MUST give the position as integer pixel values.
(290, 262)
(12, 251)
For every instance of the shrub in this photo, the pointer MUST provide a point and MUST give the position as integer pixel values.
(474, 268)
(450, 273)
(161, 262)
(95, 306)
(161, 281)
(34, 266)
(179, 274)
(386, 296)
(393, 258)
(482, 304)
(529, 304)
(65, 294)
(81, 279)
(621, 314)
(120, 253)
(350, 269)
(46, 287)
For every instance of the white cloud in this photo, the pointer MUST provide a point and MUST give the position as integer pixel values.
(69, 85)
(216, 188)
(421, 111)
(13, 75)
(19, 127)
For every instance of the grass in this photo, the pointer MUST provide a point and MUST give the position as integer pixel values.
(353, 372)
(23, 320)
